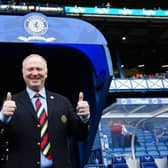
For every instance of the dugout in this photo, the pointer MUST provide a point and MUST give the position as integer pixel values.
(78, 60)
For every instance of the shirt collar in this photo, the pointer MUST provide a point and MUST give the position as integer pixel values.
(31, 92)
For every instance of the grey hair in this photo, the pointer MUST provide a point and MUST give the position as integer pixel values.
(34, 55)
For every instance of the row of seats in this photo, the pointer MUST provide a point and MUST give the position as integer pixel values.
(140, 151)
(145, 152)
(146, 161)
(158, 150)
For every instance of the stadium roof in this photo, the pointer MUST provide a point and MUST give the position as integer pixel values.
(145, 40)
(137, 108)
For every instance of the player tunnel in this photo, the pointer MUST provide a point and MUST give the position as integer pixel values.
(77, 55)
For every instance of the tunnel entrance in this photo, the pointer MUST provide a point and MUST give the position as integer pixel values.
(69, 71)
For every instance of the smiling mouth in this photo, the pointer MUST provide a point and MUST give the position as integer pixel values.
(35, 80)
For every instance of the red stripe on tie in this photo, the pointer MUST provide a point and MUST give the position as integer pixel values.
(43, 118)
(49, 156)
(44, 141)
(38, 103)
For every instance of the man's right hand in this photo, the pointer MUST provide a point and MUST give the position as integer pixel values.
(9, 105)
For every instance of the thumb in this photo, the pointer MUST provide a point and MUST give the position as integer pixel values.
(9, 96)
(81, 96)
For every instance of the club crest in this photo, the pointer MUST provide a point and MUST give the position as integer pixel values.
(36, 24)
(64, 119)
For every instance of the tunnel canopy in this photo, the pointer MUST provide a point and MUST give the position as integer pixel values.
(37, 28)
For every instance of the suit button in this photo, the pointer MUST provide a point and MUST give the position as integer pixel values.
(38, 163)
(38, 143)
(38, 125)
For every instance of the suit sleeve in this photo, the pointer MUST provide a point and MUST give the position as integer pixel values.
(77, 128)
(3, 137)
(3, 140)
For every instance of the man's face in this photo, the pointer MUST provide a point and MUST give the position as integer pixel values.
(34, 72)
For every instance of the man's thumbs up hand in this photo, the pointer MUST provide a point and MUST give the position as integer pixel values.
(9, 105)
(9, 96)
(81, 96)
(82, 106)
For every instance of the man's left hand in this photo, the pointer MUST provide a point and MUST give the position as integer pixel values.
(83, 109)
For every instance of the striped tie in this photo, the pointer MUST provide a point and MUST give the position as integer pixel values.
(42, 117)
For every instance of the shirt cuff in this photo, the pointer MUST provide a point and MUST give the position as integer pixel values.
(3, 118)
(85, 118)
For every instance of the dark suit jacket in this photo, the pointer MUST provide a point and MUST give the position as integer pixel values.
(24, 133)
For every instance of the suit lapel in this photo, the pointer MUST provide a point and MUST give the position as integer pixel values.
(50, 104)
(24, 98)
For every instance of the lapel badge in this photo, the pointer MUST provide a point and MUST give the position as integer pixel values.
(64, 119)
(51, 97)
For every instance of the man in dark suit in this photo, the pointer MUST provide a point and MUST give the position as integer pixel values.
(18, 117)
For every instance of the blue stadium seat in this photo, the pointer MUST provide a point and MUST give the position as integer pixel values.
(154, 153)
(163, 153)
(147, 158)
(148, 165)
(94, 166)
(128, 149)
(140, 153)
(140, 148)
(147, 161)
(120, 165)
(119, 150)
(118, 160)
(162, 148)
(151, 148)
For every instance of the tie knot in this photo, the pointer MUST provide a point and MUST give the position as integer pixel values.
(37, 95)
